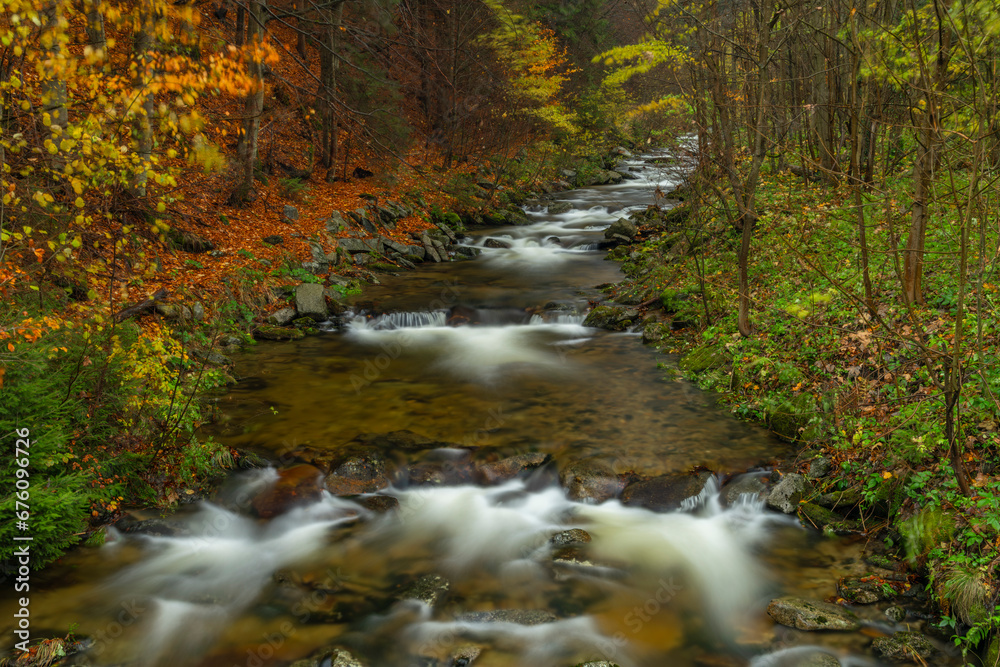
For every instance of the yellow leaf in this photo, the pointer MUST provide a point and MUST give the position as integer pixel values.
(886, 475)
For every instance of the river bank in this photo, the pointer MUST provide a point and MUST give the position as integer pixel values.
(847, 385)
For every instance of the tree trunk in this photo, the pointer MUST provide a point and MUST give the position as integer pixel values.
(142, 46)
(95, 26)
(252, 107)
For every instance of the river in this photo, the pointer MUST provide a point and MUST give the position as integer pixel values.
(463, 573)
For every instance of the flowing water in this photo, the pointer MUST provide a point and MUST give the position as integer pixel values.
(522, 374)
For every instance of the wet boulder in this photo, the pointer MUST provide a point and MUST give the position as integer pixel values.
(573, 537)
(621, 230)
(511, 467)
(329, 657)
(559, 207)
(745, 485)
(295, 486)
(904, 647)
(664, 493)
(591, 481)
(496, 243)
(429, 589)
(811, 614)
(787, 493)
(365, 472)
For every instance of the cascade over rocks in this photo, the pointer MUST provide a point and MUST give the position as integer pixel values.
(295, 486)
(666, 492)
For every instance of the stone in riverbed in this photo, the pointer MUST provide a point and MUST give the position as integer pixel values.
(378, 504)
(295, 486)
(904, 647)
(811, 614)
(787, 493)
(267, 332)
(749, 485)
(363, 473)
(511, 467)
(429, 589)
(518, 616)
(591, 481)
(330, 657)
(867, 590)
(574, 537)
(664, 493)
(621, 230)
(560, 207)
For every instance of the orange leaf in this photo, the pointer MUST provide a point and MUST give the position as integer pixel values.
(40, 254)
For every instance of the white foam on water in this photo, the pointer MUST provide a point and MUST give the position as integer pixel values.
(478, 353)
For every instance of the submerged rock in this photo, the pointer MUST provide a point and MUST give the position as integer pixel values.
(295, 486)
(904, 647)
(811, 614)
(787, 493)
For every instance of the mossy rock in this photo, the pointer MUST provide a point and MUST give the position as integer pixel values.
(904, 647)
(826, 520)
(268, 332)
(704, 357)
(791, 418)
(612, 318)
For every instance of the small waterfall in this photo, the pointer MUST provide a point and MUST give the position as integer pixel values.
(404, 320)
